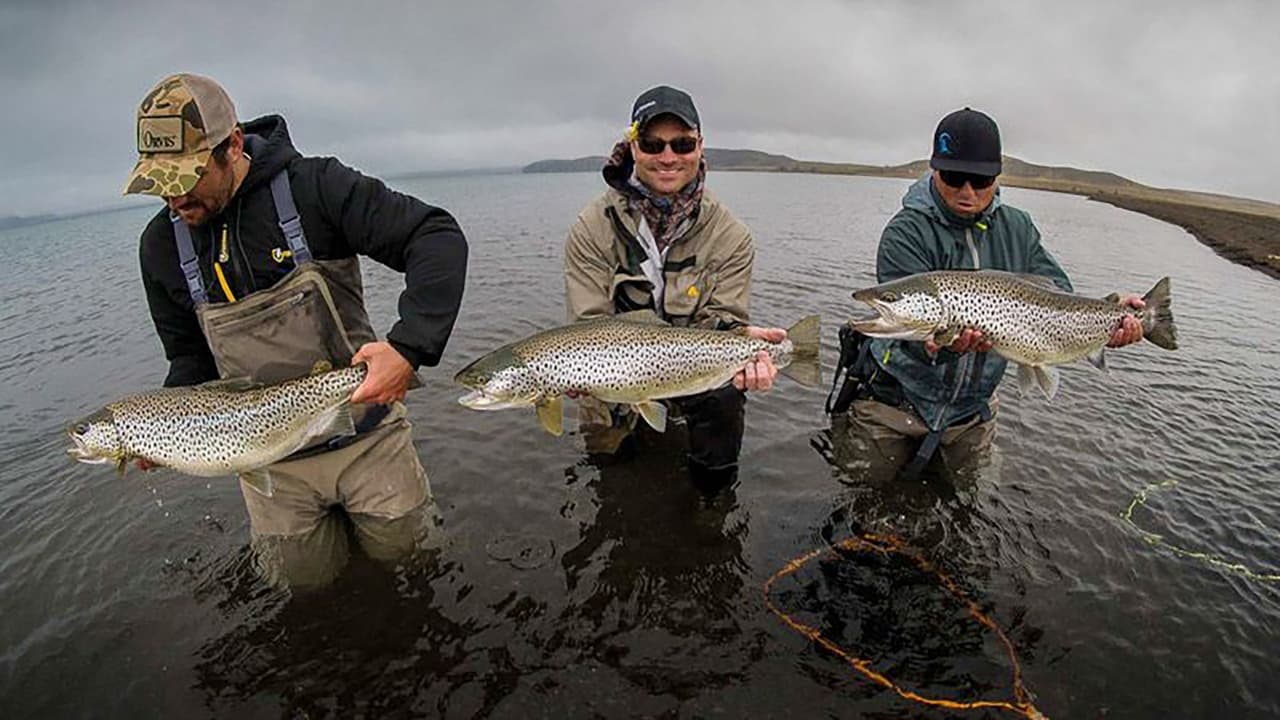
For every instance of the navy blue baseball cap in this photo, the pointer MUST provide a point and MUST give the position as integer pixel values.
(664, 100)
(967, 141)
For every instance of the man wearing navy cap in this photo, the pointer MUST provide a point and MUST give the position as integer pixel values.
(657, 240)
(918, 397)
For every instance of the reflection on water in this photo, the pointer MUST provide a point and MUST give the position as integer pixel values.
(558, 584)
(653, 578)
(330, 650)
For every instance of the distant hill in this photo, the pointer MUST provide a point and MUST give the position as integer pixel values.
(1017, 173)
(13, 221)
(582, 164)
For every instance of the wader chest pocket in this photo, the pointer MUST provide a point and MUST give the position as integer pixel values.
(279, 339)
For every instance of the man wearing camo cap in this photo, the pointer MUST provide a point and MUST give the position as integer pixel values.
(251, 270)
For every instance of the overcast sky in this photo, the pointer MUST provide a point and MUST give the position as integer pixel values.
(1175, 94)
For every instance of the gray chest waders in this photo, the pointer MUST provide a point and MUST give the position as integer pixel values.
(314, 314)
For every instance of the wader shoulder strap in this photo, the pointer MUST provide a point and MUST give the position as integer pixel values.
(290, 223)
(187, 259)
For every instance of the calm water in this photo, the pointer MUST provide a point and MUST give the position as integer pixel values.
(135, 596)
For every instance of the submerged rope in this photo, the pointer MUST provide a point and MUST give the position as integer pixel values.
(1211, 559)
(868, 542)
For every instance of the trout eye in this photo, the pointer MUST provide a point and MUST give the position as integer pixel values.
(890, 297)
(81, 428)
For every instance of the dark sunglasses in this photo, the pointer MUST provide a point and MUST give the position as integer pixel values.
(682, 145)
(957, 179)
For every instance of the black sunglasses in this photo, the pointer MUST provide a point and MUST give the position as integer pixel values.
(682, 145)
(957, 179)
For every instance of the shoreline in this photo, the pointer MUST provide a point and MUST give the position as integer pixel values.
(1243, 238)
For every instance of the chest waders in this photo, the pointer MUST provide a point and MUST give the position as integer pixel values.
(315, 314)
(858, 377)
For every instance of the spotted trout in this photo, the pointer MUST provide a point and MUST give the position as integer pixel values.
(1027, 318)
(220, 428)
(632, 359)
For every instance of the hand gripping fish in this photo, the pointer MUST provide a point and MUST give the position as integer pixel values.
(1026, 317)
(632, 359)
(221, 427)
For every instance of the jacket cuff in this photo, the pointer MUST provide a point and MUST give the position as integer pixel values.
(416, 357)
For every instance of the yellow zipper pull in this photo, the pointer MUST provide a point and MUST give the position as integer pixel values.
(280, 255)
(223, 256)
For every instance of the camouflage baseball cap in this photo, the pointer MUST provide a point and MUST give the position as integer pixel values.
(179, 123)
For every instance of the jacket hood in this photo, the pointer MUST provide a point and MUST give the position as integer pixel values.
(268, 144)
(923, 198)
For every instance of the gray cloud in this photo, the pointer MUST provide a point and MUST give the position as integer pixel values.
(1178, 94)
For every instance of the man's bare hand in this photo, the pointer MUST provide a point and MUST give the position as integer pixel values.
(1129, 330)
(760, 373)
(389, 374)
(969, 340)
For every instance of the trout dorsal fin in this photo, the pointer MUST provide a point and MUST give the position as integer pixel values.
(648, 317)
(1043, 281)
(235, 384)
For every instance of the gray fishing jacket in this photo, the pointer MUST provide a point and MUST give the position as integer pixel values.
(925, 236)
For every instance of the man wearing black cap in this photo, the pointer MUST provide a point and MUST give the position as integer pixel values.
(917, 396)
(657, 240)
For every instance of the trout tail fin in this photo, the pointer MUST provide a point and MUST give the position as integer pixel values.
(806, 341)
(1158, 326)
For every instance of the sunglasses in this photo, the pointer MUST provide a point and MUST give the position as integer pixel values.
(682, 145)
(957, 179)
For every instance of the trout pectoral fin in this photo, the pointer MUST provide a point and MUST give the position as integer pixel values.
(551, 414)
(654, 413)
(1098, 359)
(946, 336)
(260, 481)
(1045, 376)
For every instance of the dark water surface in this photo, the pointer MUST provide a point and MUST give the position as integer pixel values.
(558, 588)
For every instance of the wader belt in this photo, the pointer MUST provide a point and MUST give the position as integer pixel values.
(858, 377)
(291, 225)
(929, 445)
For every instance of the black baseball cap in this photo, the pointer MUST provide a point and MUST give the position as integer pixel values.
(664, 100)
(967, 141)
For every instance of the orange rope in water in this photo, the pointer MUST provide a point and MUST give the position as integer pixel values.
(1021, 703)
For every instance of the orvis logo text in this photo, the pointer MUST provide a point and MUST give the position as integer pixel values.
(160, 134)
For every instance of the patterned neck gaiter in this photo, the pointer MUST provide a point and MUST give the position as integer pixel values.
(668, 217)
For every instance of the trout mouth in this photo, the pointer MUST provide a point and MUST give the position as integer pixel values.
(82, 452)
(480, 400)
(888, 324)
